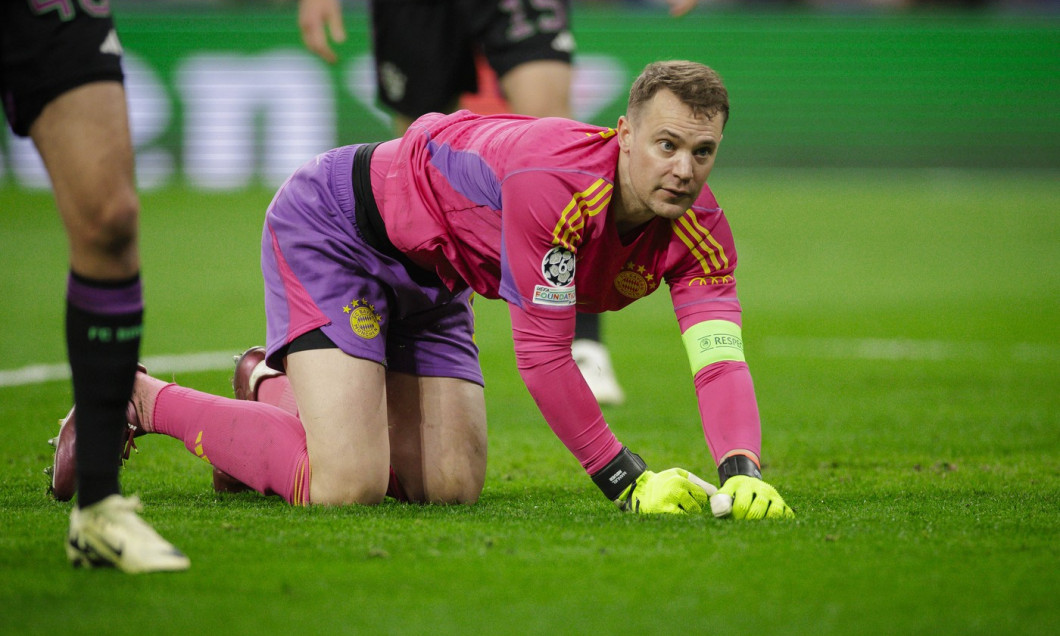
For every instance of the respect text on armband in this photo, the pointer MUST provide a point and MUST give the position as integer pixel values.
(713, 341)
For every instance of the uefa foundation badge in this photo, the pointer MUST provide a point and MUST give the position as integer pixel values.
(558, 269)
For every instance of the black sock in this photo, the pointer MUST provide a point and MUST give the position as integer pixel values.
(587, 327)
(103, 326)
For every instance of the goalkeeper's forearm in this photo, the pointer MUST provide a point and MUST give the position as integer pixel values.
(549, 372)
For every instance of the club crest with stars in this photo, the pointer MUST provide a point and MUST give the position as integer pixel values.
(635, 281)
(364, 321)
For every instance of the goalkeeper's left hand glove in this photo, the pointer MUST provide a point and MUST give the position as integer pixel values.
(674, 490)
(744, 495)
(753, 498)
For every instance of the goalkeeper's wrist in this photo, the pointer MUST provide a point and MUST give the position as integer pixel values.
(738, 465)
(619, 473)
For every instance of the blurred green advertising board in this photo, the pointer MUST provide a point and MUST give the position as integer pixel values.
(223, 99)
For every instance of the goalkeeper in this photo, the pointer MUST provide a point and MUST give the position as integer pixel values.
(370, 255)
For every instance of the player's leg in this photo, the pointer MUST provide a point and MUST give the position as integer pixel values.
(345, 404)
(540, 88)
(255, 381)
(529, 46)
(437, 437)
(329, 300)
(436, 407)
(264, 446)
(342, 405)
(422, 64)
(261, 445)
(83, 138)
(66, 93)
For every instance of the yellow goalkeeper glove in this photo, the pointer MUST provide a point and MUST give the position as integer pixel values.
(744, 495)
(627, 481)
(674, 491)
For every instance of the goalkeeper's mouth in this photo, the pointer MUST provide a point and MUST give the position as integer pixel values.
(675, 195)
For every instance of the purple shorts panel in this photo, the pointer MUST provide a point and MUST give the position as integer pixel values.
(320, 273)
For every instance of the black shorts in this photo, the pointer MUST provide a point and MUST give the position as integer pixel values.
(44, 55)
(424, 49)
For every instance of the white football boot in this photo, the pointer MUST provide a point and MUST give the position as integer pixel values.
(594, 362)
(109, 533)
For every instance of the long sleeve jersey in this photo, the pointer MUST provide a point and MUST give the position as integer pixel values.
(519, 208)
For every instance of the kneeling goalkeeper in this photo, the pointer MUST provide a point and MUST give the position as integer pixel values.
(370, 382)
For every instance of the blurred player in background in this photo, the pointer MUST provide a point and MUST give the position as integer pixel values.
(370, 255)
(61, 82)
(425, 59)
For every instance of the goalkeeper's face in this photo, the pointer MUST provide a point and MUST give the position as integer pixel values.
(667, 155)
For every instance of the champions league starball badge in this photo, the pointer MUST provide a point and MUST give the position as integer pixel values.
(558, 266)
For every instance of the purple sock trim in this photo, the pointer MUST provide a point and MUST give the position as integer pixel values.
(105, 297)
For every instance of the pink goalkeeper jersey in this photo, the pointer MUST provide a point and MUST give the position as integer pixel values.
(518, 208)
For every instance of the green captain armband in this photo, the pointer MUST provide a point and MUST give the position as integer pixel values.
(713, 341)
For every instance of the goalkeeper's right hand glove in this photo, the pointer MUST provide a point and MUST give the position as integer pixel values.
(627, 482)
(673, 490)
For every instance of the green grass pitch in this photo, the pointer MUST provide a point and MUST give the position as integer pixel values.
(903, 329)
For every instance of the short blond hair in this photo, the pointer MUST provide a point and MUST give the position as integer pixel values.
(697, 86)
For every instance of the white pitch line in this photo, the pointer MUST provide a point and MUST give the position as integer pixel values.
(158, 365)
(773, 346)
